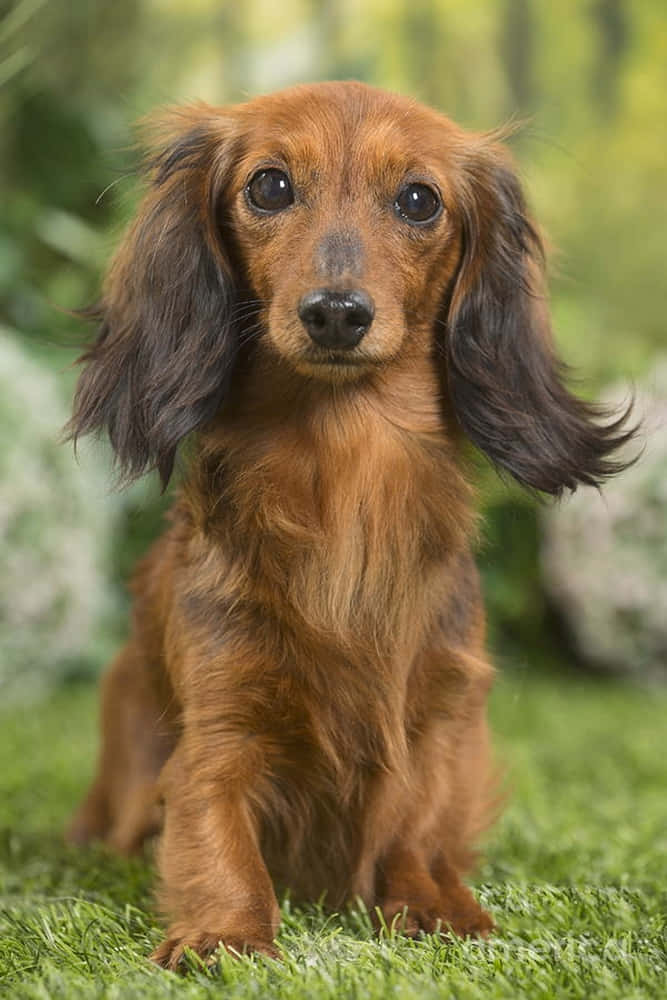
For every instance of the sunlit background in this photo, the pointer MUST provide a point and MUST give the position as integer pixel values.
(588, 80)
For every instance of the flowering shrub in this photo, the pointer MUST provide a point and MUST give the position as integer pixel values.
(604, 555)
(55, 529)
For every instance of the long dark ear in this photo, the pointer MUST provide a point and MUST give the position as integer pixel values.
(504, 380)
(162, 359)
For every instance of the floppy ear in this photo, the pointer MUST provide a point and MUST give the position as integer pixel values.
(505, 381)
(163, 356)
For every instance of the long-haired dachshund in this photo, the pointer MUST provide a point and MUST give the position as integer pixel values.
(325, 291)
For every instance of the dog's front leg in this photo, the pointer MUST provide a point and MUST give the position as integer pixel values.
(215, 885)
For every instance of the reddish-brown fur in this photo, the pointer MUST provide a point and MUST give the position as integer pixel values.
(305, 684)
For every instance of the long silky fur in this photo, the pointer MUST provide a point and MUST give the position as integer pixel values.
(167, 340)
(506, 384)
(305, 683)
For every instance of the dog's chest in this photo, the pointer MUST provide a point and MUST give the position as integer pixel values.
(342, 538)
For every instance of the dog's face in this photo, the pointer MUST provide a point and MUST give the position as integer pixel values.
(339, 231)
(343, 206)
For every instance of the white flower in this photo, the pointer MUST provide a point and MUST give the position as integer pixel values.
(604, 555)
(55, 527)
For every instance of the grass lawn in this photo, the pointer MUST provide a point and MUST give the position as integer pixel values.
(575, 872)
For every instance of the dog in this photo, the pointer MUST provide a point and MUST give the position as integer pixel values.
(327, 292)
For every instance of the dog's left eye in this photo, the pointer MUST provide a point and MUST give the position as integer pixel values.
(270, 190)
(418, 203)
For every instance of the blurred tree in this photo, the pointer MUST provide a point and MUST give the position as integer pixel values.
(613, 31)
(517, 46)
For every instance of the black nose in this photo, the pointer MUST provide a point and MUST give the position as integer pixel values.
(336, 319)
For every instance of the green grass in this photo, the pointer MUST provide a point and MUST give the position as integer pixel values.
(575, 872)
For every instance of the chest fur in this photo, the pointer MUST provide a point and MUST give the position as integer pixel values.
(340, 527)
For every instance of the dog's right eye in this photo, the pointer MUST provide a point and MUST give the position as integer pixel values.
(270, 190)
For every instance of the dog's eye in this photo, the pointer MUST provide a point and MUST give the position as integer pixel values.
(270, 190)
(418, 203)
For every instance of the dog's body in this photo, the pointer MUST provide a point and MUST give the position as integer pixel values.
(327, 286)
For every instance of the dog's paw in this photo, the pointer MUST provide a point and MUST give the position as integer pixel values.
(409, 918)
(470, 920)
(399, 916)
(465, 919)
(170, 954)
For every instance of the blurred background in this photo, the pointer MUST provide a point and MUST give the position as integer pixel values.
(579, 586)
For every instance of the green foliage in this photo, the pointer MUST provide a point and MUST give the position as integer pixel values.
(507, 560)
(575, 873)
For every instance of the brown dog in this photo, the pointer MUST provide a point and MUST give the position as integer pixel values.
(330, 286)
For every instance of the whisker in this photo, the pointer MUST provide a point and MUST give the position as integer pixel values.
(244, 309)
(111, 185)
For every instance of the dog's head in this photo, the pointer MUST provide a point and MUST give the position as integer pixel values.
(337, 230)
